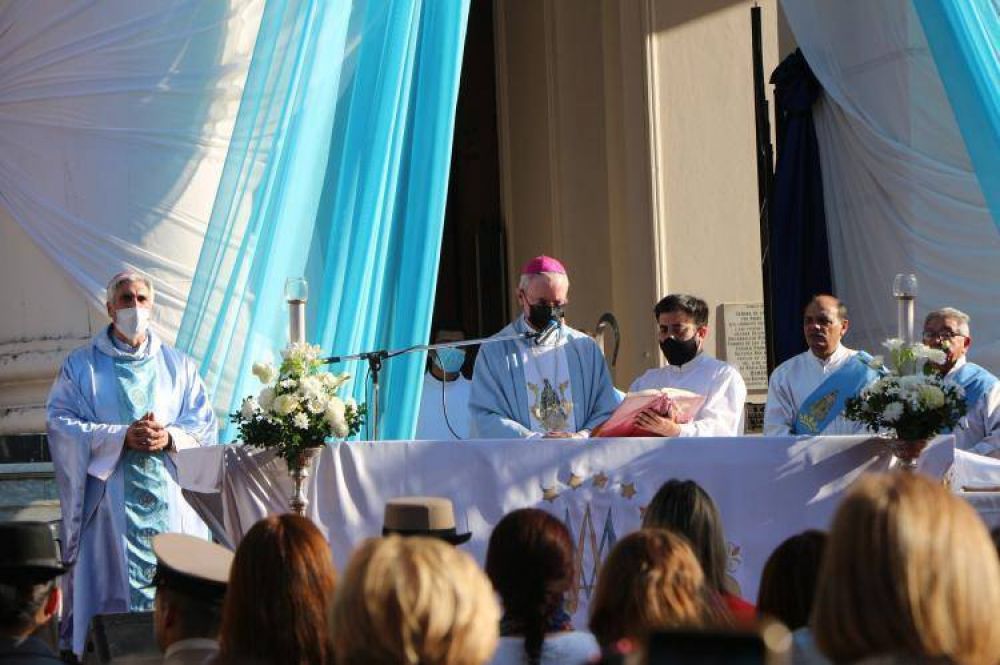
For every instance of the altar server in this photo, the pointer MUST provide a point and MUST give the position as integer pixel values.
(807, 393)
(120, 409)
(444, 402)
(682, 321)
(979, 430)
(556, 385)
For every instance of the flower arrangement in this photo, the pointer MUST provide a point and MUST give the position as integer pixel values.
(910, 399)
(298, 408)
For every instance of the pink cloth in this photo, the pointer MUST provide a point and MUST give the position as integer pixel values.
(541, 264)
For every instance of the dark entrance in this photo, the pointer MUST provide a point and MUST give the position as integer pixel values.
(473, 289)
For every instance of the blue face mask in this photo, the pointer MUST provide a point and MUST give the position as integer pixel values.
(449, 360)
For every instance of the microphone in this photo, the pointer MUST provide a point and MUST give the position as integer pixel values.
(555, 323)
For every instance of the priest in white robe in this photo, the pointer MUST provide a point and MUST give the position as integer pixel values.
(807, 393)
(682, 323)
(120, 409)
(554, 385)
(978, 431)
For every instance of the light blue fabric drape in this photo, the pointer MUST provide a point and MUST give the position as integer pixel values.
(964, 38)
(338, 170)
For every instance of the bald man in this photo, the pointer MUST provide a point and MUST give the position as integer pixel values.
(807, 393)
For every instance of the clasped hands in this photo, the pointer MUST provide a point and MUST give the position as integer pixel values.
(147, 435)
(663, 425)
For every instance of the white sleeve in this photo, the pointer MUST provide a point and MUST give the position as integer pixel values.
(780, 411)
(722, 412)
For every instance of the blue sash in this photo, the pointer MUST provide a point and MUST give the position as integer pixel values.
(828, 400)
(145, 481)
(975, 380)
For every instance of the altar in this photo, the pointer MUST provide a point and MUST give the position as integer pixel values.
(766, 488)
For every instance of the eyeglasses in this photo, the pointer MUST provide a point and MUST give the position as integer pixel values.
(943, 335)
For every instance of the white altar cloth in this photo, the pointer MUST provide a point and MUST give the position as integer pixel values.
(767, 488)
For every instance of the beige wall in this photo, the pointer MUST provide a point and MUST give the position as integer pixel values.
(627, 149)
(44, 317)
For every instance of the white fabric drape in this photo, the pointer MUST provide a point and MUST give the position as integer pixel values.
(115, 118)
(900, 191)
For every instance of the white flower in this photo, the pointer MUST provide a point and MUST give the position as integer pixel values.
(936, 356)
(932, 397)
(301, 420)
(334, 381)
(310, 388)
(266, 398)
(351, 403)
(285, 404)
(301, 351)
(335, 417)
(892, 412)
(317, 404)
(265, 372)
(893, 344)
(289, 383)
(249, 408)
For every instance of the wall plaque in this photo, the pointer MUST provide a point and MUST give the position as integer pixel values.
(744, 343)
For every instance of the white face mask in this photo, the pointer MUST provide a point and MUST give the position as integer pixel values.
(132, 322)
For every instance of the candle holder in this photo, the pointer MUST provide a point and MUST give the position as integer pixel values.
(296, 295)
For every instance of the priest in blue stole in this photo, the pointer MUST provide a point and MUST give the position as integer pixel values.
(979, 430)
(554, 386)
(807, 393)
(120, 409)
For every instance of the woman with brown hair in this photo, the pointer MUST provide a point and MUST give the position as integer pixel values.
(280, 591)
(530, 562)
(650, 581)
(684, 507)
(909, 575)
(413, 601)
(788, 582)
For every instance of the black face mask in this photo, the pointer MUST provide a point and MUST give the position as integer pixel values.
(679, 352)
(541, 314)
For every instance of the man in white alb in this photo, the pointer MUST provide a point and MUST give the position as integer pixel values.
(979, 429)
(682, 321)
(807, 393)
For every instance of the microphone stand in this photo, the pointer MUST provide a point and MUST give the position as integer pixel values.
(376, 358)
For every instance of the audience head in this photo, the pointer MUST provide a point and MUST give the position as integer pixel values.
(947, 329)
(413, 601)
(909, 572)
(531, 565)
(682, 323)
(650, 581)
(685, 508)
(543, 290)
(788, 583)
(279, 596)
(29, 566)
(824, 323)
(429, 516)
(191, 578)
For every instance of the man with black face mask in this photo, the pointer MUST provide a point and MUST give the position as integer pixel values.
(556, 385)
(683, 325)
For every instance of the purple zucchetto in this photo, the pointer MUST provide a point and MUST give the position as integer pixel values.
(541, 264)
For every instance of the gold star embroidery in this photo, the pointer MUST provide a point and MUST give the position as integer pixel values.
(550, 494)
(575, 481)
(600, 480)
(628, 490)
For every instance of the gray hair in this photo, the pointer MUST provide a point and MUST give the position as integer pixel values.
(526, 279)
(127, 277)
(950, 313)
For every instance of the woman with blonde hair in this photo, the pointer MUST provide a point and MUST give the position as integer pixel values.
(279, 595)
(413, 601)
(909, 574)
(651, 581)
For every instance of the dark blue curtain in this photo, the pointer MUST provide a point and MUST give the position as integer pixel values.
(799, 252)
